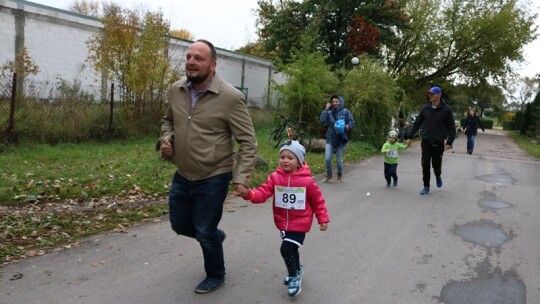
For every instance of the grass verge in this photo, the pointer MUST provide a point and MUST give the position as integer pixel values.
(531, 146)
(52, 196)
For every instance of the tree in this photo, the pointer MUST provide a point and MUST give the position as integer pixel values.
(182, 34)
(308, 81)
(460, 40)
(86, 7)
(343, 27)
(373, 98)
(522, 90)
(254, 49)
(280, 28)
(530, 125)
(23, 65)
(134, 52)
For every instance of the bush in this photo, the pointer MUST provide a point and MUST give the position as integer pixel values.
(509, 125)
(486, 123)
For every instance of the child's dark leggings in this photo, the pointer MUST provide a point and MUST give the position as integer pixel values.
(390, 171)
(291, 241)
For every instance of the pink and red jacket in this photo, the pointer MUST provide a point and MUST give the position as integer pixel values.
(292, 219)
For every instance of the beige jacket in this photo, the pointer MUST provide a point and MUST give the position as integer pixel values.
(204, 139)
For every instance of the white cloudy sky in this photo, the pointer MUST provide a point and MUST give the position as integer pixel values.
(230, 24)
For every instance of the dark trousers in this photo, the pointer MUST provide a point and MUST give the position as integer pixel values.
(432, 153)
(196, 208)
(390, 171)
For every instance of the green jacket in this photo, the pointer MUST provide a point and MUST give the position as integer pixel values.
(204, 139)
(391, 155)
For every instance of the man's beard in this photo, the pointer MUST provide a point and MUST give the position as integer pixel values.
(197, 79)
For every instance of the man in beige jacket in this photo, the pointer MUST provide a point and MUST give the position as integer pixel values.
(204, 114)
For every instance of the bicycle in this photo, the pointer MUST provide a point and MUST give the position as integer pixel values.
(295, 130)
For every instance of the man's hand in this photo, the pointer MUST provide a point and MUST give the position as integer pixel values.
(447, 147)
(241, 190)
(166, 148)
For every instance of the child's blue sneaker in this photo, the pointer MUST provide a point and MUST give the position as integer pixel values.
(424, 191)
(439, 181)
(289, 278)
(295, 284)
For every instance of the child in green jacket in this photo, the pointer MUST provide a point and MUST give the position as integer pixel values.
(391, 157)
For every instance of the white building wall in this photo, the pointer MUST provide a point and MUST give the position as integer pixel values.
(56, 41)
(60, 52)
(7, 36)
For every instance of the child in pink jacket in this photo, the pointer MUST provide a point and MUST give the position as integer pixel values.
(296, 198)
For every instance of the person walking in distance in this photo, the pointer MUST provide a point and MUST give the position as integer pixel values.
(336, 137)
(203, 116)
(297, 198)
(402, 122)
(436, 124)
(470, 128)
(391, 157)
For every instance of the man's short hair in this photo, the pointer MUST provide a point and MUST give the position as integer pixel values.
(213, 52)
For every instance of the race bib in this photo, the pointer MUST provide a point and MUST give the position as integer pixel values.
(392, 154)
(290, 197)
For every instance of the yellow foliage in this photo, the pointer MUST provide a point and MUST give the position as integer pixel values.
(182, 34)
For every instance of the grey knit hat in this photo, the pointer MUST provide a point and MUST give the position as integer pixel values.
(296, 148)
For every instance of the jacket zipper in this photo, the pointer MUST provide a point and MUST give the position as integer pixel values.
(288, 185)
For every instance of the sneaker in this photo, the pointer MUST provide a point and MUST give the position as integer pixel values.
(289, 278)
(295, 284)
(209, 284)
(395, 183)
(424, 191)
(439, 182)
(327, 178)
(339, 179)
(388, 185)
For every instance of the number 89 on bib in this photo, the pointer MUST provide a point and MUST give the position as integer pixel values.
(290, 197)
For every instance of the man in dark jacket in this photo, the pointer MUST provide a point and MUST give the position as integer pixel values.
(437, 124)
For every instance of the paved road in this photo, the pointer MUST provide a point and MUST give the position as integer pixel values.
(473, 241)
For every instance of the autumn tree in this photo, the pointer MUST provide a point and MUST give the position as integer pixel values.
(133, 52)
(465, 41)
(254, 49)
(182, 34)
(86, 7)
(345, 27)
(23, 65)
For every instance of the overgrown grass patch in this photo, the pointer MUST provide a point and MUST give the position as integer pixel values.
(53, 196)
(528, 144)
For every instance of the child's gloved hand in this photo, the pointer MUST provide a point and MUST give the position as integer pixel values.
(323, 226)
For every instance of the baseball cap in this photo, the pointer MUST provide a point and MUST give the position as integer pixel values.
(435, 90)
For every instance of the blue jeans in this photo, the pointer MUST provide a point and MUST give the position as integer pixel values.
(195, 209)
(470, 141)
(339, 158)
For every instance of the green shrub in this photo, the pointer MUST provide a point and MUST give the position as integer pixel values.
(486, 123)
(509, 125)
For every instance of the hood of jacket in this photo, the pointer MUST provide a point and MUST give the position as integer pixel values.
(341, 103)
